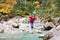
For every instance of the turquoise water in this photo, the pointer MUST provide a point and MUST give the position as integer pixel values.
(30, 37)
(20, 36)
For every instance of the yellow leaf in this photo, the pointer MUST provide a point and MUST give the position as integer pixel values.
(0, 10)
(38, 7)
(36, 3)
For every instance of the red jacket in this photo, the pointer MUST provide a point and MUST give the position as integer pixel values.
(32, 19)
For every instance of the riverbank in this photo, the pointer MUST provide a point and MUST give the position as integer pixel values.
(17, 25)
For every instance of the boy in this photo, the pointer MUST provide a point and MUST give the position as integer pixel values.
(31, 20)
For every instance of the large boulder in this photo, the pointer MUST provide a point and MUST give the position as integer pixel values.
(49, 25)
(54, 33)
(50, 34)
(57, 36)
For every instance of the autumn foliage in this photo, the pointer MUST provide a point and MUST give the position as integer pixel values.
(11, 1)
(37, 4)
(7, 7)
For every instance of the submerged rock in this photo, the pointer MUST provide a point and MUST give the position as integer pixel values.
(41, 36)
